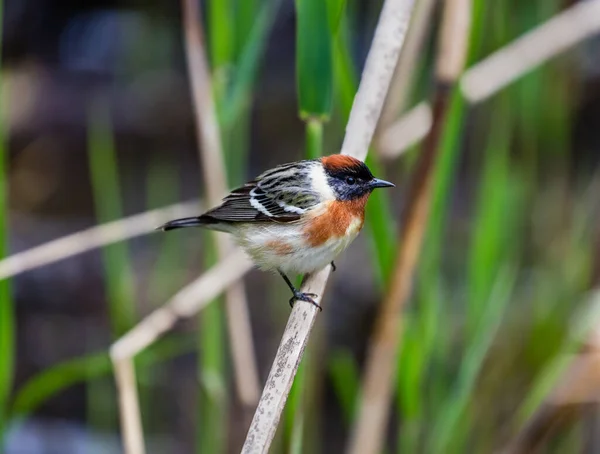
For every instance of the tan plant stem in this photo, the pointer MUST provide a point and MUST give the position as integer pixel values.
(92, 238)
(185, 303)
(213, 166)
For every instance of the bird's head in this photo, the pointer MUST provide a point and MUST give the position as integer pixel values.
(350, 178)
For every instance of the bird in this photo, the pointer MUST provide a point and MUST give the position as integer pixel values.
(296, 217)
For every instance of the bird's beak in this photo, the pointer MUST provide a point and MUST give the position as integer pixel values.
(377, 183)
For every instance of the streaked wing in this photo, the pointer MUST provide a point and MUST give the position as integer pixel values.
(281, 194)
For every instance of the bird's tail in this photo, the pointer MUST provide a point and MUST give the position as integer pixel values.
(197, 221)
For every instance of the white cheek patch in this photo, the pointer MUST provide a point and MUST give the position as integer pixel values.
(320, 184)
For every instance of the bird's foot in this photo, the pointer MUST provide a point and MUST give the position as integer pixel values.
(307, 297)
(333, 267)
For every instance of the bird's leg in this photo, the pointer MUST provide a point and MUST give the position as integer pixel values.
(298, 295)
(333, 267)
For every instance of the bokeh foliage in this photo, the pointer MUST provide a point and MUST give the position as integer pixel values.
(503, 268)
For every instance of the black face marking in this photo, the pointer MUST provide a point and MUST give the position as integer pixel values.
(350, 183)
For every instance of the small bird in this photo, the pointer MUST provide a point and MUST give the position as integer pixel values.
(296, 217)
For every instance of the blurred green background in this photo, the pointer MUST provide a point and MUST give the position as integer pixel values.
(98, 124)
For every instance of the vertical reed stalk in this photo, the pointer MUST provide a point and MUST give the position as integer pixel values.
(211, 155)
(369, 430)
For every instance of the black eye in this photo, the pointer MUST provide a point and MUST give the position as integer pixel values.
(350, 180)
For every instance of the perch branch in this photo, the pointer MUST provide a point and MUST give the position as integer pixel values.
(368, 103)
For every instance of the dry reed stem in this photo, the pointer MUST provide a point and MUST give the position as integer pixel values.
(412, 127)
(370, 427)
(185, 303)
(368, 103)
(94, 237)
(564, 30)
(213, 166)
(129, 409)
(286, 362)
(397, 97)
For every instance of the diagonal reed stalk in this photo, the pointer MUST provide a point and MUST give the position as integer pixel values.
(211, 155)
(382, 58)
(370, 427)
(92, 238)
(578, 23)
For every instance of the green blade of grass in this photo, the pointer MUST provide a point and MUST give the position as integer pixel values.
(221, 33)
(294, 411)
(490, 231)
(118, 272)
(233, 108)
(314, 65)
(106, 190)
(453, 410)
(245, 15)
(314, 139)
(335, 10)
(345, 379)
(382, 227)
(212, 370)
(54, 380)
(162, 188)
(247, 66)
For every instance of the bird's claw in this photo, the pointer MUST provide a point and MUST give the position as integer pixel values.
(307, 297)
